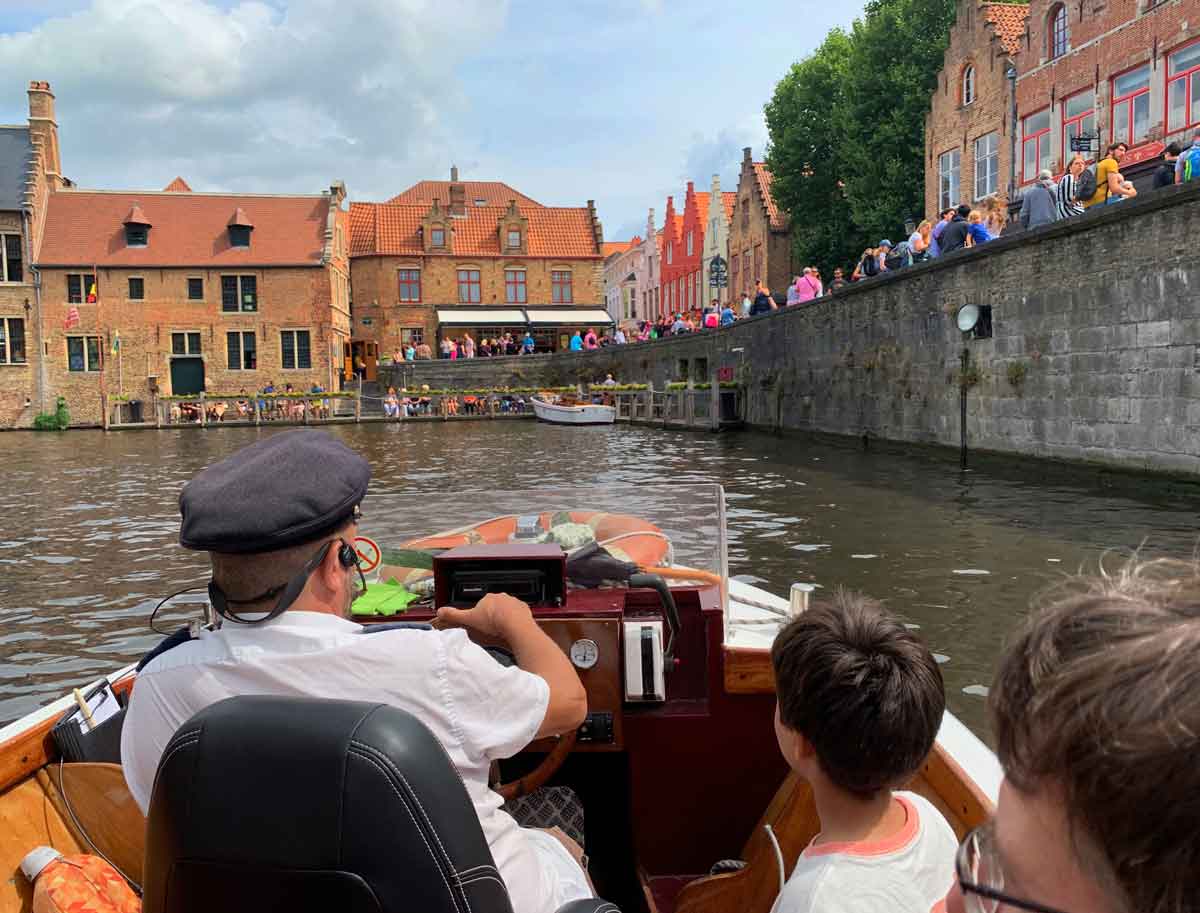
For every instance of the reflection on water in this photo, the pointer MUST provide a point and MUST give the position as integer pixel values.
(89, 526)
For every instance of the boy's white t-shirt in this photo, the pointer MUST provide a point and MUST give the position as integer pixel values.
(911, 872)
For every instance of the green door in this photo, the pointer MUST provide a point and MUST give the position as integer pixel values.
(187, 376)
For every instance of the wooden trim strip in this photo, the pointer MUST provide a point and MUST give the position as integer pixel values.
(748, 670)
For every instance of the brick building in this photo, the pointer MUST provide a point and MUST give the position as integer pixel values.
(716, 239)
(760, 241)
(1128, 70)
(967, 130)
(445, 258)
(621, 262)
(174, 292)
(30, 170)
(685, 245)
(673, 297)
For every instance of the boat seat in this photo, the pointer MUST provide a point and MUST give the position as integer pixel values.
(309, 805)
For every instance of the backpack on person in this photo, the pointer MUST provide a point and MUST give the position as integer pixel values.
(898, 257)
(870, 266)
(1191, 164)
(1085, 186)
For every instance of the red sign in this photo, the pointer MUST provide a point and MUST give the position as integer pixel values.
(72, 318)
(368, 553)
(1142, 154)
(724, 375)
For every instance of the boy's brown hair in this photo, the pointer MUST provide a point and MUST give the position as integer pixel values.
(862, 689)
(1098, 699)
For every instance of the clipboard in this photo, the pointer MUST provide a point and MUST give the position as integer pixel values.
(96, 735)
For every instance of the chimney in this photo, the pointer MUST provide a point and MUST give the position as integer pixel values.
(746, 155)
(650, 226)
(716, 187)
(43, 128)
(597, 228)
(458, 195)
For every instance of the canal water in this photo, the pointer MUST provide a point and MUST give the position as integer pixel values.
(89, 526)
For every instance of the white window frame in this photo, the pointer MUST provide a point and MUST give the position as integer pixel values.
(690, 242)
(4, 236)
(949, 164)
(6, 335)
(241, 337)
(991, 175)
(968, 85)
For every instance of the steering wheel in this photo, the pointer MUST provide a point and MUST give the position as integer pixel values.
(537, 777)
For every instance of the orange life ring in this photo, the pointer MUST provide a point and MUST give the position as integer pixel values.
(626, 537)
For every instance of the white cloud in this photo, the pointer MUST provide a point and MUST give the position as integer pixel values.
(254, 97)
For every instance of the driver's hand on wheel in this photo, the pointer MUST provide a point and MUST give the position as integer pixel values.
(495, 615)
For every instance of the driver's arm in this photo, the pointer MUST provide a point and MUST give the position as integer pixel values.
(499, 615)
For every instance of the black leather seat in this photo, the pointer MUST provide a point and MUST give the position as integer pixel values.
(305, 805)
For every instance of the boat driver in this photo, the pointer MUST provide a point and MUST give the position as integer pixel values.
(277, 520)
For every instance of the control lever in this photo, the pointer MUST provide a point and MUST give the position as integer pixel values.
(656, 583)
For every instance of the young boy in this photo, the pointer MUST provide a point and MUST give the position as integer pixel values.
(860, 700)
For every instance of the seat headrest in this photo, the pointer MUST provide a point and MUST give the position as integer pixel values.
(322, 802)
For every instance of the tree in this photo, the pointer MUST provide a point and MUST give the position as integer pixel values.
(804, 154)
(846, 129)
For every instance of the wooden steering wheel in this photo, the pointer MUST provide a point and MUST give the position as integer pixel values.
(537, 777)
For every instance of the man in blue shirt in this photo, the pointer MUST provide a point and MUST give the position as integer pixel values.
(726, 315)
(936, 234)
(527, 344)
(576, 342)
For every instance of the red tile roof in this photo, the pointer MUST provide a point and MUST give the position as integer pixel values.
(136, 216)
(728, 199)
(496, 193)
(84, 228)
(393, 229)
(764, 176)
(1008, 22)
(618, 247)
(240, 219)
(179, 185)
(703, 198)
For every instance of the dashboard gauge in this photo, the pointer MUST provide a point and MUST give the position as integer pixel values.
(585, 653)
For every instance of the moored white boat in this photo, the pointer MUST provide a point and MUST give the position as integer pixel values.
(572, 414)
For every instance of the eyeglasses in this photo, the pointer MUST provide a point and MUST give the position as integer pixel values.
(981, 876)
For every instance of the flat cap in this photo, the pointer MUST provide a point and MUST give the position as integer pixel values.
(289, 489)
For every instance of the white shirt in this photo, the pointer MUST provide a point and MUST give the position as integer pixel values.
(910, 872)
(479, 710)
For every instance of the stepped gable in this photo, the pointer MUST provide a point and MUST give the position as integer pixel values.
(85, 228)
(764, 177)
(179, 185)
(494, 193)
(1008, 22)
(393, 229)
(618, 247)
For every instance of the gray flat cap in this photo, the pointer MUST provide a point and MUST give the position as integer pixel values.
(289, 489)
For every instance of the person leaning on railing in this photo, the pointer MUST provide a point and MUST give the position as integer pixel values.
(1096, 715)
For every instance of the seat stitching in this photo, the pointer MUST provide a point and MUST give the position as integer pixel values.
(432, 855)
(475, 867)
(396, 770)
(482, 876)
(180, 744)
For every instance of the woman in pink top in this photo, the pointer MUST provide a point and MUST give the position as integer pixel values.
(589, 341)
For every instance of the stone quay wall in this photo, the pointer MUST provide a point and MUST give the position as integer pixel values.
(1094, 354)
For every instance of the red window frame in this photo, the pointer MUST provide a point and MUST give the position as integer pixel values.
(1039, 137)
(468, 281)
(1127, 99)
(515, 291)
(1189, 75)
(1059, 29)
(561, 291)
(410, 285)
(1067, 154)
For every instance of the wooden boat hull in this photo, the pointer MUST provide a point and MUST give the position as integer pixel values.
(556, 414)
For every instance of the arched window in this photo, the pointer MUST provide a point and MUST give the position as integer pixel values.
(1058, 31)
(968, 85)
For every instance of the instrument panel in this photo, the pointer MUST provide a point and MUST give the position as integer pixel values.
(594, 647)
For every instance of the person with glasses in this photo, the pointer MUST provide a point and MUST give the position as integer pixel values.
(859, 702)
(278, 520)
(1096, 715)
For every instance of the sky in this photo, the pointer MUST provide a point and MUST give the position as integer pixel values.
(621, 101)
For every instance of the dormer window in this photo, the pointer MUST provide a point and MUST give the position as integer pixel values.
(437, 236)
(514, 239)
(137, 228)
(240, 227)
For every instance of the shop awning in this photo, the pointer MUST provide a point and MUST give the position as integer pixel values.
(471, 317)
(569, 316)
